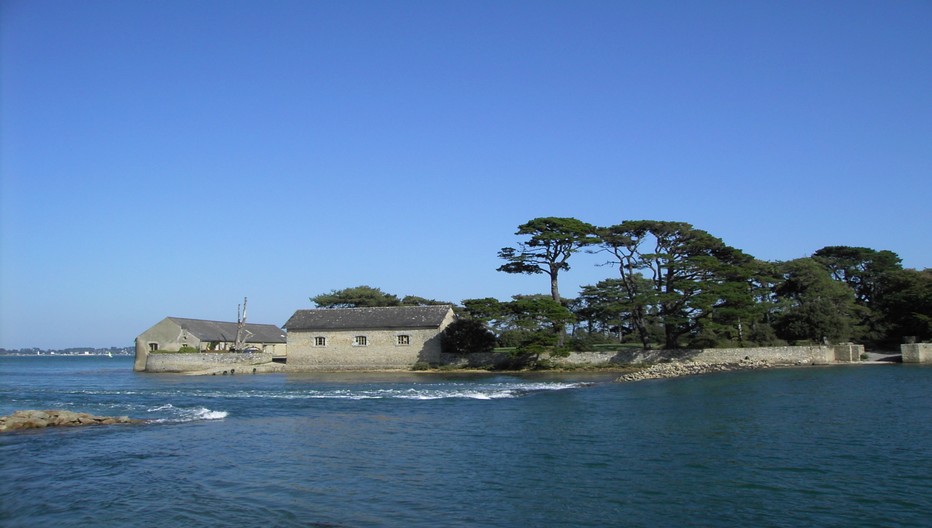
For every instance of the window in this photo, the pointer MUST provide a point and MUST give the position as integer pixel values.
(403, 340)
(320, 341)
(360, 341)
(153, 347)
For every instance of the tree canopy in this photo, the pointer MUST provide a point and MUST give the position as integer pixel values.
(689, 274)
(356, 297)
(813, 307)
(467, 336)
(369, 297)
(677, 285)
(551, 244)
(674, 285)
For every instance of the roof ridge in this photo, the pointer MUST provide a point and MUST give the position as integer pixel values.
(370, 317)
(215, 321)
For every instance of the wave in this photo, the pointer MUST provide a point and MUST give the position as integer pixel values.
(426, 392)
(149, 401)
(463, 392)
(180, 414)
(430, 391)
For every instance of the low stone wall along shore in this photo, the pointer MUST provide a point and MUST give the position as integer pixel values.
(55, 418)
(218, 363)
(212, 362)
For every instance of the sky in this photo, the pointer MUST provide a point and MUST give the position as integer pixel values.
(171, 158)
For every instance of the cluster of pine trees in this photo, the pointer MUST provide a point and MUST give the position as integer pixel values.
(675, 286)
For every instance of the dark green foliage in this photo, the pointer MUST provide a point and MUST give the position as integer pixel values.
(813, 307)
(357, 297)
(537, 312)
(551, 244)
(465, 336)
(603, 309)
(536, 343)
(677, 276)
(677, 285)
(586, 342)
(368, 297)
(488, 310)
(529, 349)
(862, 269)
(512, 338)
(414, 300)
(906, 305)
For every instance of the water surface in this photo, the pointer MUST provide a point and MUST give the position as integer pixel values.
(839, 446)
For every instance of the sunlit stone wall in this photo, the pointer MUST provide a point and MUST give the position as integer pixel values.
(204, 361)
(917, 353)
(785, 355)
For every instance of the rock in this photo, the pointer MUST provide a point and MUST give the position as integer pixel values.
(689, 368)
(33, 419)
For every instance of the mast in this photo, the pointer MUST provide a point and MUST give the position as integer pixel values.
(241, 332)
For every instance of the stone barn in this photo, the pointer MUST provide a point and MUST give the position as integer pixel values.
(173, 333)
(385, 338)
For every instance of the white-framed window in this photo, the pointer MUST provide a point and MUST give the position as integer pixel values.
(360, 340)
(320, 341)
(402, 339)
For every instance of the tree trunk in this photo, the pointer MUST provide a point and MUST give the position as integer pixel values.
(554, 287)
(555, 294)
(669, 331)
(638, 317)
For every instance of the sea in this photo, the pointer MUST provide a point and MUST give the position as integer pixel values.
(816, 446)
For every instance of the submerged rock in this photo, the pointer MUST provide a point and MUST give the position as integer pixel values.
(33, 419)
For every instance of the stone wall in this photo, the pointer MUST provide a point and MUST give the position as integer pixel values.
(205, 361)
(786, 355)
(381, 352)
(917, 353)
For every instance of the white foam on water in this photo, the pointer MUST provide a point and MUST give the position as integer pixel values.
(180, 414)
(439, 392)
(427, 391)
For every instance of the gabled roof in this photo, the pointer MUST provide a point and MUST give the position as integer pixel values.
(369, 318)
(226, 332)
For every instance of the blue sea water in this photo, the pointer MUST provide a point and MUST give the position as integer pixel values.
(836, 446)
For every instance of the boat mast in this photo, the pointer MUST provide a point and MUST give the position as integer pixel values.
(240, 327)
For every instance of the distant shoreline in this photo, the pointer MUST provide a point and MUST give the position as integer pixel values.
(121, 354)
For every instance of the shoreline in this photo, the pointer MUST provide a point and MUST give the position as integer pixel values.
(678, 369)
(664, 368)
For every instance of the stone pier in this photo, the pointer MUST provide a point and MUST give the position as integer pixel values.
(916, 352)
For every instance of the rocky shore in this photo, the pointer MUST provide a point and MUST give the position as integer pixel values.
(689, 368)
(33, 419)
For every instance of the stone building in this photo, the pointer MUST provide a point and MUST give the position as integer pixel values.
(173, 333)
(385, 338)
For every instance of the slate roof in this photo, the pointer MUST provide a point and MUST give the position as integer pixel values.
(368, 318)
(224, 331)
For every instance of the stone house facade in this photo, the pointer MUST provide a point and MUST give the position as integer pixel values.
(384, 338)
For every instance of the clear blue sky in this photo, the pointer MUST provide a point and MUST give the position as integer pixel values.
(170, 158)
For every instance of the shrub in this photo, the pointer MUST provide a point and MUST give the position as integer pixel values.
(465, 336)
(421, 365)
(589, 342)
